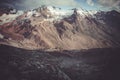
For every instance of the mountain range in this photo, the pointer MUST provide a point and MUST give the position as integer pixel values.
(52, 28)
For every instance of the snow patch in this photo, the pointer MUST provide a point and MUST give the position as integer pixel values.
(10, 17)
(59, 13)
(1, 36)
(84, 12)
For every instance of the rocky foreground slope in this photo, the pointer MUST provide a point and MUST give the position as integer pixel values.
(94, 64)
(53, 28)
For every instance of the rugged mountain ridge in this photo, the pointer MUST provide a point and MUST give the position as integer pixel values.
(50, 28)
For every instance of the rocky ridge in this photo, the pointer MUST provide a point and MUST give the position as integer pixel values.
(53, 28)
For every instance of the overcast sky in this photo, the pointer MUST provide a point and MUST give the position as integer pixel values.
(87, 4)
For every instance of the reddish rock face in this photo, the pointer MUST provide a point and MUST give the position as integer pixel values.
(16, 30)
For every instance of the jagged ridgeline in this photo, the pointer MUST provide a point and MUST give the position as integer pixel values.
(49, 27)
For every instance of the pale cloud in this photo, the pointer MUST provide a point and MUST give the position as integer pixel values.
(37, 3)
(90, 2)
(113, 4)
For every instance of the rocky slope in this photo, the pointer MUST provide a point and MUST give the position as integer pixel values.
(53, 28)
(94, 64)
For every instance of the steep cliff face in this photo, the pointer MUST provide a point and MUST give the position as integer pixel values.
(44, 28)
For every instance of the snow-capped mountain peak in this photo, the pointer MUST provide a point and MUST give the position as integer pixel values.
(50, 13)
(51, 27)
